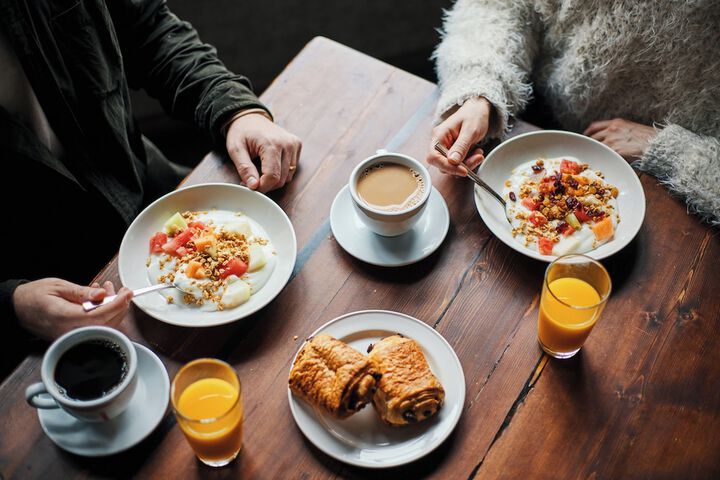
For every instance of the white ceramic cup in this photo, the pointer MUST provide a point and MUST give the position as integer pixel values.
(46, 394)
(389, 224)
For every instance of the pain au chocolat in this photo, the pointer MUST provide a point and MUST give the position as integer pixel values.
(407, 392)
(334, 376)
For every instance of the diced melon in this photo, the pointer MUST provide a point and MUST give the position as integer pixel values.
(195, 269)
(257, 257)
(236, 293)
(240, 226)
(567, 245)
(204, 242)
(603, 229)
(175, 224)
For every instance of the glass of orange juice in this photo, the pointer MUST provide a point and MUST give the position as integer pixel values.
(575, 291)
(207, 400)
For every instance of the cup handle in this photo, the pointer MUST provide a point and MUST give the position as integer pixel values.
(34, 400)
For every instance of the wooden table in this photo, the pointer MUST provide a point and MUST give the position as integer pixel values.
(642, 400)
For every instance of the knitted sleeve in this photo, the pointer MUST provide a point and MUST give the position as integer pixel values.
(487, 49)
(689, 165)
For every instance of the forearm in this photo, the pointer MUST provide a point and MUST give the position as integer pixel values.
(689, 165)
(487, 51)
(165, 56)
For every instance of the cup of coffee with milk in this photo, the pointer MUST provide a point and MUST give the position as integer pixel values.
(89, 372)
(390, 192)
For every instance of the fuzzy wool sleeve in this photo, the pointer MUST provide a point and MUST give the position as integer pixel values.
(689, 165)
(488, 48)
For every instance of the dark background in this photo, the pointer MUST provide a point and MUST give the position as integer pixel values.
(258, 38)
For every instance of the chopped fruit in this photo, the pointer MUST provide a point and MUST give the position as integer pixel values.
(565, 229)
(547, 185)
(181, 252)
(197, 224)
(237, 292)
(530, 203)
(545, 245)
(157, 241)
(573, 221)
(537, 219)
(175, 224)
(568, 166)
(603, 229)
(234, 266)
(257, 257)
(204, 242)
(581, 215)
(178, 241)
(195, 269)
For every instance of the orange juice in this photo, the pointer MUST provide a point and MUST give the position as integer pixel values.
(562, 328)
(212, 420)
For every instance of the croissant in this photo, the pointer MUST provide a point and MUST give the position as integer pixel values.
(334, 376)
(407, 392)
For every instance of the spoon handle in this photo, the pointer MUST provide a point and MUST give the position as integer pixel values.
(473, 176)
(88, 306)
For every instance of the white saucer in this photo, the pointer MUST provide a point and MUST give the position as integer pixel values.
(363, 439)
(143, 414)
(356, 239)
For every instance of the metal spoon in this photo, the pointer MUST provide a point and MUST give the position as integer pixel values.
(88, 306)
(473, 176)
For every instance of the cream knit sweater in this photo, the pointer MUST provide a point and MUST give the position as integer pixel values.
(652, 62)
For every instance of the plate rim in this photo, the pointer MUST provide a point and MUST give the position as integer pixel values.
(403, 461)
(255, 309)
(477, 195)
(345, 189)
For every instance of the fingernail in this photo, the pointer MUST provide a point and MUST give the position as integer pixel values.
(252, 182)
(455, 157)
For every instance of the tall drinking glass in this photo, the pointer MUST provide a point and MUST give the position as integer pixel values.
(574, 293)
(207, 400)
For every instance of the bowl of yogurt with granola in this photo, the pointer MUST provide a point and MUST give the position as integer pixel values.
(230, 251)
(564, 193)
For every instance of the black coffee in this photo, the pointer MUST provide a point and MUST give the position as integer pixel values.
(91, 369)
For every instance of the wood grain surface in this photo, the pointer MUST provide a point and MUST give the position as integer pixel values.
(640, 401)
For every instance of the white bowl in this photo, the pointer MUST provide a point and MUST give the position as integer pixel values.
(134, 249)
(497, 167)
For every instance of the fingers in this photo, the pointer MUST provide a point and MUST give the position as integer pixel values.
(295, 160)
(271, 164)
(475, 159)
(113, 310)
(78, 294)
(442, 164)
(595, 127)
(244, 165)
(601, 135)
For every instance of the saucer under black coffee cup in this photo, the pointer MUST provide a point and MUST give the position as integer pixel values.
(89, 372)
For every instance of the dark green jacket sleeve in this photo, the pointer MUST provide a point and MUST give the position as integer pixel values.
(165, 56)
(7, 288)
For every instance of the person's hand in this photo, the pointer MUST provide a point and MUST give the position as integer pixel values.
(459, 133)
(254, 135)
(627, 138)
(49, 307)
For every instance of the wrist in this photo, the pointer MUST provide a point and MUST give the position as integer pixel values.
(243, 113)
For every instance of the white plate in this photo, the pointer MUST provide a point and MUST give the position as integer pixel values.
(497, 167)
(363, 439)
(135, 245)
(420, 242)
(144, 412)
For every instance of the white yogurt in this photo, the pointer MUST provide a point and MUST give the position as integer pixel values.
(582, 240)
(230, 221)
